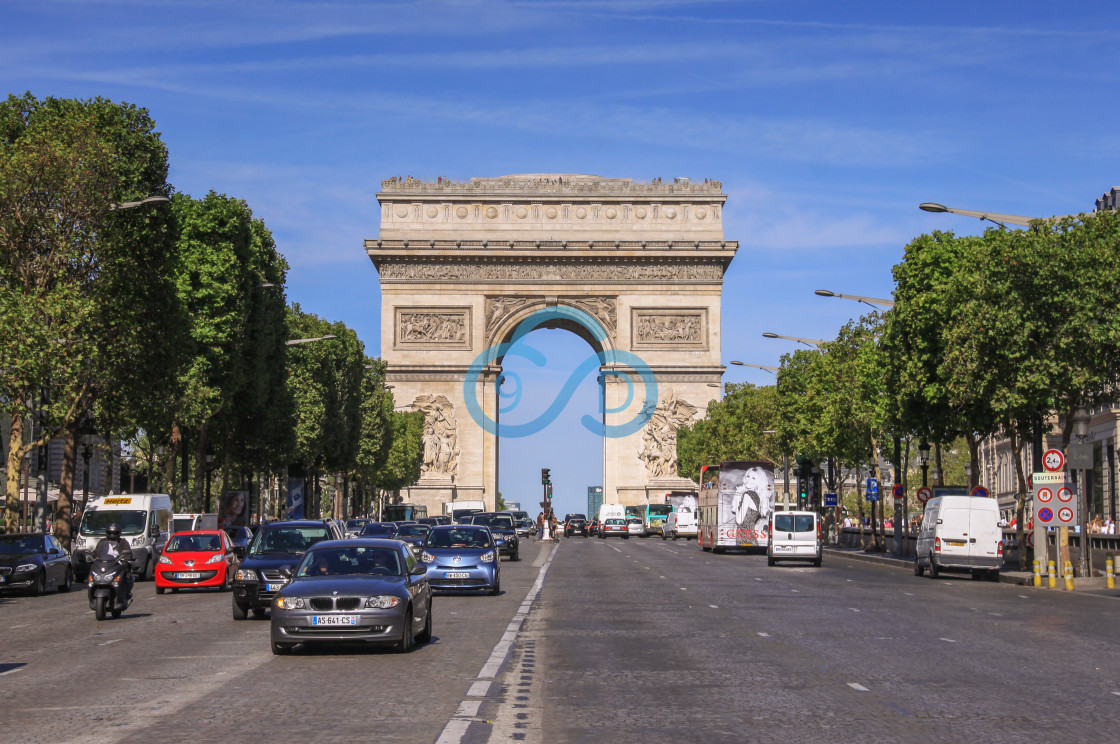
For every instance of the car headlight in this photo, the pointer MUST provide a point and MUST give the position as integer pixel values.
(164, 559)
(487, 557)
(427, 557)
(25, 567)
(216, 558)
(383, 601)
(245, 574)
(289, 603)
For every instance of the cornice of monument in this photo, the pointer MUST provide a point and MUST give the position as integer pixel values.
(538, 185)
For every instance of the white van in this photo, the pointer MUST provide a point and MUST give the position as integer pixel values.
(681, 523)
(794, 535)
(144, 519)
(961, 533)
(190, 522)
(611, 511)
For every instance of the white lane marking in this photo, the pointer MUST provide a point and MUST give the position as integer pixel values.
(847, 579)
(947, 640)
(684, 589)
(1023, 596)
(11, 671)
(757, 579)
(764, 635)
(714, 607)
(908, 594)
(25, 625)
(457, 726)
(646, 567)
(613, 548)
(1114, 692)
(795, 591)
(853, 609)
(858, 687)
(661, 577)
(479, 689)
(996, 614)
(115, 640)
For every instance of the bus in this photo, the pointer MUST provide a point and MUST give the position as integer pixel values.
(736, 500)
(403, 512)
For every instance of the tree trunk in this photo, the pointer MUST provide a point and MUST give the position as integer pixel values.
(200, 475)
(859, 502)
(64, 506)
(170, 480)
(16, 451)
(876, 514)
(1021, 498)
(940, 480)
(974, 459)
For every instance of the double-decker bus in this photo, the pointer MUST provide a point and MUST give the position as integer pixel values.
(736, 500)
(403, 512)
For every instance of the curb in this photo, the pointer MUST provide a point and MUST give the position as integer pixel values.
(1018, 578)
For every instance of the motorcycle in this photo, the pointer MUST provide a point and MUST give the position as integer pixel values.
(110, 584)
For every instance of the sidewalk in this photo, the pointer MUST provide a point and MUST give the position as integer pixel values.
(1093, 586)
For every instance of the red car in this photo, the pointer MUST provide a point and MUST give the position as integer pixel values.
(196, 559)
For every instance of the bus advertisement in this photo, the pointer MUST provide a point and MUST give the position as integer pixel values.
(735, 506)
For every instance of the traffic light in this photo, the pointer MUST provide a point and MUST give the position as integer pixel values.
(548, 490)
(544, 477)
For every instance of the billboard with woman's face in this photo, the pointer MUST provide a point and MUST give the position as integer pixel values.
(235, 509)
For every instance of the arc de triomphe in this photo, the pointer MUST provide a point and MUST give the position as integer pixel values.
(636, 269)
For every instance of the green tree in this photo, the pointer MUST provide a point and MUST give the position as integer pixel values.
(732, 429)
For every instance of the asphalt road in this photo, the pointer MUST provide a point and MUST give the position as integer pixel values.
(627, 640)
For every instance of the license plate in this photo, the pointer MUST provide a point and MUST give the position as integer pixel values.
(334, 619)
(190, 576)
(784, 548)
(955, 543)
(457, 575)
(273, 587)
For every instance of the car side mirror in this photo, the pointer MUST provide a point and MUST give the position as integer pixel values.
(418, 569)
(239, 551)
(153, 531)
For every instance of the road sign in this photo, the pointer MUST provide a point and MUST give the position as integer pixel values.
(925, 493)
(1065, 494)
(872, 489)
(1030, 539)
(1065, 514)
(1044, 494)
(1054, 461)
(980, 492)
(899, 491)
(830, 499)
(1046, 515)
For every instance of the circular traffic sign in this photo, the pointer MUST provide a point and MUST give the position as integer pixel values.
(1065, 494)
(1043, 494)
(1054, 461)
(980, 492)
(1065, 514)
(898, 491)
(1045, 515)
(924, 494)
(1030, 539)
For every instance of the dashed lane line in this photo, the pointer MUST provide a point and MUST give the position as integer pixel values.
(858, 687)
(714, 607)
(764, 635)
(947, 640)
(115, 640)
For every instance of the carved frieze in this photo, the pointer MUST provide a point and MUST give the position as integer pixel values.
(538, 271)
(678, 328)
(659, 440)
(441, 438)
(498, 309)
(433, 327)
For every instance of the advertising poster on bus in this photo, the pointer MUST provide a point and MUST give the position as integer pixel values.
(746, 499)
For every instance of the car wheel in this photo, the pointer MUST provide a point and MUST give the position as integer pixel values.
(258, 612)
(404, 645)
(674, 537)
(40, 585)
(161, 589)
(770, 560)
(174, 590)
(919, 569)
(99, 608)
(425, 635)
(993, 575)
(240, 611)
(663, 535)
(933, 570)
(281, 649)
(516, 555)
(497, 588)
(817, 562)
(67, 581)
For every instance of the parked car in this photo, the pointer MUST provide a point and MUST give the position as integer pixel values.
(575, 527)
(461, 556)
(681, 523)
(194, 560)
(504, 532)
(240, 538)
(379, 529)
(526, 528)
(794, 535)
(635, 527)
(960, 533)
(34, 563)
(275, 551)
(413, 535)
(614, 526)
(364, 590)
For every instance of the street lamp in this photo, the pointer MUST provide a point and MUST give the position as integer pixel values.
(295, 341)
(141, 203)
(774, 370)
(816, 342)
(1081, 431)
(999, 219)
(923, 460)
(209, 470)
(872, 301)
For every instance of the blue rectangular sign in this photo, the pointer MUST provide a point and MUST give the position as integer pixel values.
(873, 485)
(830, 499)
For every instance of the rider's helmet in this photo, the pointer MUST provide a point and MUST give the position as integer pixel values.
(113, 531)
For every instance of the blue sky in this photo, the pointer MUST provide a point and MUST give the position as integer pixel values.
(827, 122)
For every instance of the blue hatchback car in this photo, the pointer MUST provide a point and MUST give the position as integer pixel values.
(462, 556)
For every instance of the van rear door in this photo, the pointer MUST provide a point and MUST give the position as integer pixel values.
(955, 530)
(984, 534)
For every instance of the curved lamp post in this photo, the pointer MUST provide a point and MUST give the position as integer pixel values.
(1000, 219)
(814, 342)
(294, 341)
(872, 301)
(772, 370)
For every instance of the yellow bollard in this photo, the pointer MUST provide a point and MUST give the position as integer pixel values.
(1053, 574)
(1069, 576)
(1037, 574)
(1109, 575)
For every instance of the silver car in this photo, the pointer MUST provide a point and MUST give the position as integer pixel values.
(359, 590)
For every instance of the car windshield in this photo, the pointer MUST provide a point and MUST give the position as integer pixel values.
(378, 529)
(458, 538)
(131, 521)
(355, 524)
(193, 544)
(793, 523)
(499, 521)
(633, 520)
(414, 530)
(288, 540)
(616, 521)
(21, 544)
(351, 561)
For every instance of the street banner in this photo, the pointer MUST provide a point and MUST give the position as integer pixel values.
(295, 498)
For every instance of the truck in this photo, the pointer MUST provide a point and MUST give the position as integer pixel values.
(462, 508)
(186, 522)
(735, 505)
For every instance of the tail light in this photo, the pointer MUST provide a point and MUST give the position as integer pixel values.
(999, 548)
(818, 529)
(937, 544)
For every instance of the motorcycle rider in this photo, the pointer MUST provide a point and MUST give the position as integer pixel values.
(113, 546)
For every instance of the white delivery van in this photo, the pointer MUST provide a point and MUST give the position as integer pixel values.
(960, 533)
(794, 536)
(611, 511)
(681, 523)
(190, 522)
(144, 519)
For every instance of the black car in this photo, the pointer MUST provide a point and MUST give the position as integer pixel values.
(274, 552)
(434, 521)
(504, 531)
(413, 534)
(576, 527)
(33, 563)
(240, 537)
(379, 529)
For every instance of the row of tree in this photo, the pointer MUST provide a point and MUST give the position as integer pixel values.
(989, 334)
(163, 321)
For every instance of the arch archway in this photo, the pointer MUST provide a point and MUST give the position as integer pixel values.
(463, 265)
